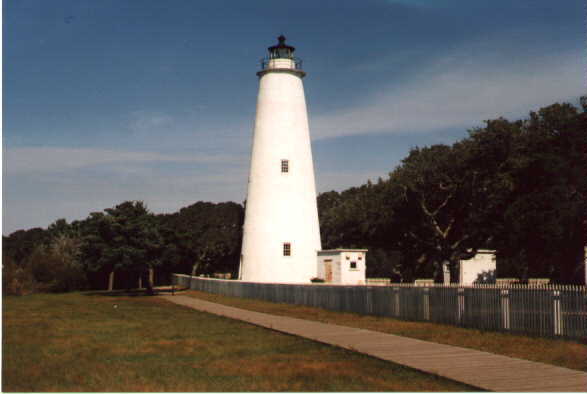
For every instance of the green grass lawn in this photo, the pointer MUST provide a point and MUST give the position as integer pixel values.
(568, 354)
(95, 342)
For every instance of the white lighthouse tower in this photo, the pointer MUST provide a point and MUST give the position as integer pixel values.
(281, 231)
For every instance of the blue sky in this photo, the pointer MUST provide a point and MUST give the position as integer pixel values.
(113, 100)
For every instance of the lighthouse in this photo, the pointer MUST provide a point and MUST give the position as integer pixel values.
(281, 235)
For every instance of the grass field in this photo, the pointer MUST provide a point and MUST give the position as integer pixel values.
(562, 353)
(95, 342)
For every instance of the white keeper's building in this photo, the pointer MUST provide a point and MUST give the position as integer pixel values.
(343, 266)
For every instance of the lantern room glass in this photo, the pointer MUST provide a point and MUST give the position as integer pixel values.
(281, 53)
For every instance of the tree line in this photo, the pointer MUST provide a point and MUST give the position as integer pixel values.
(123, 246)
(517, 187)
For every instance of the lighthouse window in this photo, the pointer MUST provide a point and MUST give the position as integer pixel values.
(287, 249)
(284, 166)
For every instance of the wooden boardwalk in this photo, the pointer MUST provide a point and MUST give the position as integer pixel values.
(480, 369)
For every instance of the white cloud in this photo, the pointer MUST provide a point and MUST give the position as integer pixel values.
(149, 121)
(461, 89)
(195, 128)
(51, 159)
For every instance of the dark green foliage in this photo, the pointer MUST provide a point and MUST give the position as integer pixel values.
(20, 244)
(125, 238)
(58, 268)
(17, 279)
(204, 238)
(52, 267)
(547, 211)
(517, 187)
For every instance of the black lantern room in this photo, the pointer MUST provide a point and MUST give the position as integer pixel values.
(281, 50)
(281, 59)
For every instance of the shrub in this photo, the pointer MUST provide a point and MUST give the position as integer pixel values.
(55, 268)
(16, 279)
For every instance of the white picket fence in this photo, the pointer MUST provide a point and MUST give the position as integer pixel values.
(541, 310)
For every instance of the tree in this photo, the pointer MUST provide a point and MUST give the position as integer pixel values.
(206, 237)
(21, 243)
(440, 198)
(126, 238)
(547, 212)
(360, 217)
(17, 279)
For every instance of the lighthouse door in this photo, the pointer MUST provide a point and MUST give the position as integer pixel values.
(328, 270)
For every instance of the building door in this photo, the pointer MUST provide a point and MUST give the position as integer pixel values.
(328, 270)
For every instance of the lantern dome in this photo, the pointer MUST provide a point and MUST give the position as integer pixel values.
(281, 50)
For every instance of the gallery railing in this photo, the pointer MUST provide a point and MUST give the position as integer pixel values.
(293, 63)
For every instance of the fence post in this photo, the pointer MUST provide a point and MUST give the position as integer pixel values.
(368, 300)
(426, 308)
(505, 309)
(461, 303)
(396, 299)
(558, 324)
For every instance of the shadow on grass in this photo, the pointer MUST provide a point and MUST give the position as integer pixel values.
(164, 290)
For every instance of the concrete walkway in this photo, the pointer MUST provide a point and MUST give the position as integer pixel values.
(480, 369)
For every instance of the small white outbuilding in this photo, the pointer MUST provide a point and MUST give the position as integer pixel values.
(479, 268)
(342, 266)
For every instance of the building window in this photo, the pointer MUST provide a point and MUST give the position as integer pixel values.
(360, 258)
(284, 166)
(348, 257)
(287, 249)
(353, 265)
